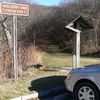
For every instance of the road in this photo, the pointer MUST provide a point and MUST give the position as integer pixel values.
(65, 96)
(59, 93)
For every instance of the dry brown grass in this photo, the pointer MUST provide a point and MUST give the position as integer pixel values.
(27, 56)
(34, 56)
(5, 62)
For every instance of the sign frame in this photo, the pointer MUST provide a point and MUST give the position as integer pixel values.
(14, 9)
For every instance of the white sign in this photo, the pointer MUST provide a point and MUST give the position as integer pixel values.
(14, 9)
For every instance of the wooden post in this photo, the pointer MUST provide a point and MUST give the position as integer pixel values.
(74, 51)
(78, 49)
(78, 45)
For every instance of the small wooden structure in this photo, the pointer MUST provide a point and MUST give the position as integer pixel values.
(77, 25)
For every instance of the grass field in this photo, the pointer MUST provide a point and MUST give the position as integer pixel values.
(57, 60)
(37, 80)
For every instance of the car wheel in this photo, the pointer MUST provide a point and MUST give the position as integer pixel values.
(86, 91)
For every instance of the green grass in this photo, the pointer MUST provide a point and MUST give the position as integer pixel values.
(88, 61)
(39, 79)
(58, 60)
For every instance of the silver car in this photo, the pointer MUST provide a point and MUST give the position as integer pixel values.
(84, 82)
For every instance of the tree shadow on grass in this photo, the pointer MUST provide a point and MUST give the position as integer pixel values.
(92, 55)
(46, 83)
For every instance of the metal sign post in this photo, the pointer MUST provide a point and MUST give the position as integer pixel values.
(15, 60)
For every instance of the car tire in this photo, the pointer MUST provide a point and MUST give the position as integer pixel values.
(86, 91)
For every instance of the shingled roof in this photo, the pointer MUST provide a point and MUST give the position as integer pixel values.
(84, 24)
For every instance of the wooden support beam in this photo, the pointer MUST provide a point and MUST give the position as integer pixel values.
(78, 49)
(78, 45)
(74, 51)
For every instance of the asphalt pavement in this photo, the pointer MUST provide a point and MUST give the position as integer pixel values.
(58, 93)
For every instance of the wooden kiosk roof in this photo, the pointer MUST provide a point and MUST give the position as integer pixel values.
(84, 24)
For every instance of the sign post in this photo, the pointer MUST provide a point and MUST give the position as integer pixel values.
(15, 60)
(20, 10)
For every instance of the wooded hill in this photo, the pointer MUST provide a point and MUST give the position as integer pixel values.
(48, 24)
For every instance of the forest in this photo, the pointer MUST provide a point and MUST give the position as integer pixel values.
(48, 25)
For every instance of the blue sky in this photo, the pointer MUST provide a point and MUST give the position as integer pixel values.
(47, 2)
